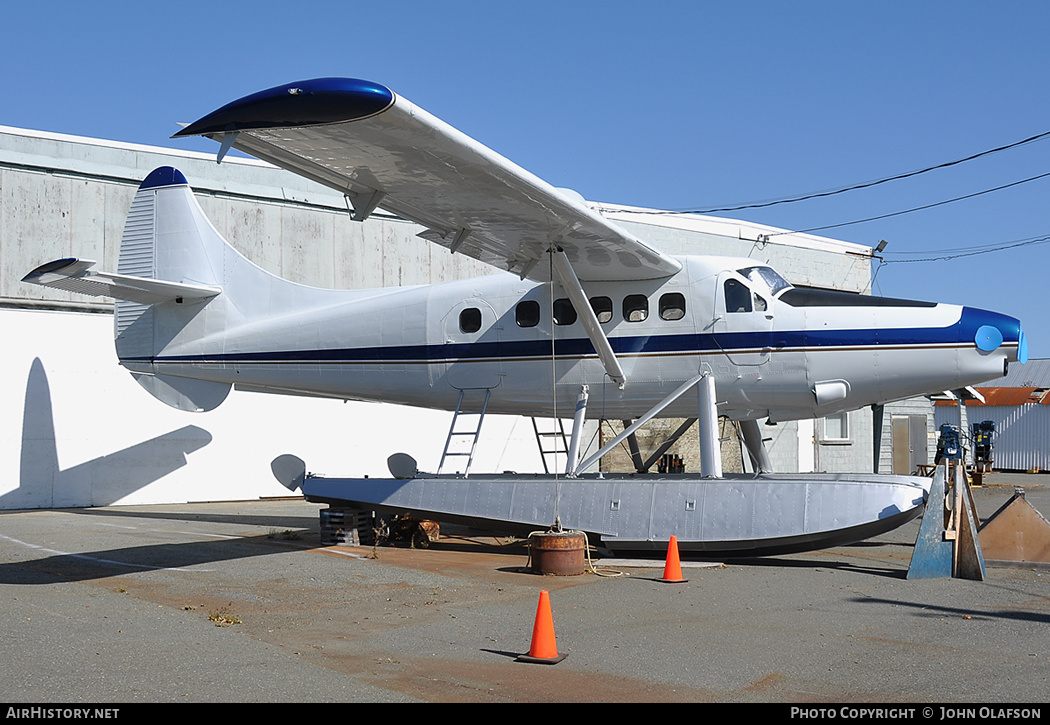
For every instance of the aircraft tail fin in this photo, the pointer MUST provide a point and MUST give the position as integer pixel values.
(185, 298)
(169, 248)
(169, 286)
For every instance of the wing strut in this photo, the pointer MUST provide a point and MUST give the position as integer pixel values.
(572, 286)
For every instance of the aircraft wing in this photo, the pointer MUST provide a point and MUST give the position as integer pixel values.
(380, 150)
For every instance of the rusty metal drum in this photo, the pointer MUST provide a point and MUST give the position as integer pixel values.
(558, 554)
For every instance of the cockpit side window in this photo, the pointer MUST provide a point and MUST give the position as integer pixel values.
(738, 296)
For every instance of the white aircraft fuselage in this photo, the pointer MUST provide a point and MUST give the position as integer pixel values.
(422, 345)
(775, 351)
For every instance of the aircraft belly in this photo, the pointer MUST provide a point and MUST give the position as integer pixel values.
(387, 382)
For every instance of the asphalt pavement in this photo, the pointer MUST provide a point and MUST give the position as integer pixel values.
(240, 602)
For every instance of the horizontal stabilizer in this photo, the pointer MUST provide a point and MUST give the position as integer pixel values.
(75, 275)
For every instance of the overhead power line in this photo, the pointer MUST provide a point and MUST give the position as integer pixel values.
(863, 185)
(917, 208)
(943, 255)
(947, 254)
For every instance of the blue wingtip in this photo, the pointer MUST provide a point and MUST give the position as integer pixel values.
(163, 176)
(303, 103)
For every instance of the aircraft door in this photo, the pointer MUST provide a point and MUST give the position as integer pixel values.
(472, 346)
(743, 322)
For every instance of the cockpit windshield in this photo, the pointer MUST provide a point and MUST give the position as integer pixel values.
(765, 277)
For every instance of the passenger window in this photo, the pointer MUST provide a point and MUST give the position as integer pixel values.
(470, 320)
(527, 313)
(760, 303)
(635, 308)
(564, 312)
(672, 306)
(738, 296)
(603, 309)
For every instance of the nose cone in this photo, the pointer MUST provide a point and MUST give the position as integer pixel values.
(992, 331)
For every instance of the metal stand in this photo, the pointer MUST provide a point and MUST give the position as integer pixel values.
(1016, 533)
(947, 544)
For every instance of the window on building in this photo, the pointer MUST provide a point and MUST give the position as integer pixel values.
(635, 308)
(836, 427)
(470, 319)
(527, 313)
(564, 312)
(603, 309)
(672, 306)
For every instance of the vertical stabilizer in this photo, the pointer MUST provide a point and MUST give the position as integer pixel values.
(166, 237)
(185, 296)
(133, 320)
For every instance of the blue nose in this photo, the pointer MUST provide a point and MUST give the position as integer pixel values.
(993, 329)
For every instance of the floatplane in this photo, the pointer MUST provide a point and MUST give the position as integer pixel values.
(587, 306)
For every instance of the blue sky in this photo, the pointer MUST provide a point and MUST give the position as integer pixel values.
(672, 105)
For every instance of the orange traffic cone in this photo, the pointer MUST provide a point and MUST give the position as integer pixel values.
(673, 566)
(544, 649)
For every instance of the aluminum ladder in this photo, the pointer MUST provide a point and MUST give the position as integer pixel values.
(457, 434)
(558, 449)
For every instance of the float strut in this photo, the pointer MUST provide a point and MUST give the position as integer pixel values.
(710, 447)
(756, 449)
(577, 433)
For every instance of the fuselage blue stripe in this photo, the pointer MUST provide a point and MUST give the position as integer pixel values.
(961, 333)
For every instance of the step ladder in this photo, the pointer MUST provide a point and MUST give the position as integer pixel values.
(560, 443)
(455, 434)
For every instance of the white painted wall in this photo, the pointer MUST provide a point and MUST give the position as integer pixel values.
(77, 430)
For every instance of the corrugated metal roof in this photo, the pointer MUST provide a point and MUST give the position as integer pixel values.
(1006, 397)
